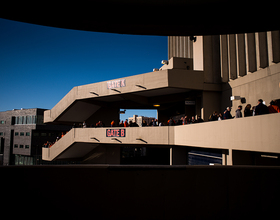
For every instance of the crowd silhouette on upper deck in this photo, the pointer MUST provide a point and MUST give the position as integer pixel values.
(259, 109)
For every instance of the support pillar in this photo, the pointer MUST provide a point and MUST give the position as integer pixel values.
(227, 157)
(170, 163)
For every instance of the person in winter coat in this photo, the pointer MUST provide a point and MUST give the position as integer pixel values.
(261, 108)
(247, 111)
(238, 113)
(227, 114)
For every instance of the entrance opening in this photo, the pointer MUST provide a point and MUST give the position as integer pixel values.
(138, 115)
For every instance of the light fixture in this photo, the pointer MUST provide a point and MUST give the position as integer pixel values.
(143, 87)
(155, 69)
(233, 98)
(122, 112)
(94, 93)
(116, 139)
(116, 90)
(164, 62)
(193, 38)
(140, 139)
(156, 105)
(95, 139)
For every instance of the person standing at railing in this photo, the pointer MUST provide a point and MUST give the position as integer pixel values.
(125, 124)
(261, 108)
(227, 114)
(84, 124)
(238, 113)
(273, 108)
(247, 111)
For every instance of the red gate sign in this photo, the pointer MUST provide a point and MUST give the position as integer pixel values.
(116, 84)
(115, 132)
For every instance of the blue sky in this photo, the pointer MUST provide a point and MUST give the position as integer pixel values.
(39, 65)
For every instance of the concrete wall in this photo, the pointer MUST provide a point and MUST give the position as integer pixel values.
(180, 46)
(262, 84)
(245, 134)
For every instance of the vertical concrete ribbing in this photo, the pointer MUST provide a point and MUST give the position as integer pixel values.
(263, 52)
(269, 48)
(241, 55)
(224, 58)
(275, 46)
(251, 53)
(232, 56)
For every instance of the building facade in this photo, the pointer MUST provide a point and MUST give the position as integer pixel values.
(203, 74)
(139, 120)
(23, 134)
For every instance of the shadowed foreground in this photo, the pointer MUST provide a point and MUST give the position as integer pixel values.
(141, 192)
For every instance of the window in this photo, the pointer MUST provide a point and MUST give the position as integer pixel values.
(21, 146)
(43, 134)
(26, 146)
(27, 134)
(2, 122)
(33, 119)
(15, 146)
(29, 119)
(1, 133)
(16, 133)
(21, 133)
(22, 120)
(19, 120)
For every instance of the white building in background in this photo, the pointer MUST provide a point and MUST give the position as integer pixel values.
(140, 119)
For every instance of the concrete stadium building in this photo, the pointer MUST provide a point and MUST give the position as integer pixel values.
(203, 74)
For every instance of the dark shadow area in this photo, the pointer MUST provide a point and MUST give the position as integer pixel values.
(142, 192)
(169, 18)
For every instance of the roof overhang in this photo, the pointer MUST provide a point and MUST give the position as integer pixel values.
(151, 17)
(138, 92)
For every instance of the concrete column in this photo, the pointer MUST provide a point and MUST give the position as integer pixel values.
(169, 47)
(210, 102)
(173, 46)
(227, 157)
(170, 163)
(251, 52)
(269, 48)
(224, 58)
(257, 50)
(275, 46)
(211, 53)
(232, 56)
(185, 52)
(181, 46)
(198, 55)
(177, 46)
(241, 55)
(263, 49)
(190, 48)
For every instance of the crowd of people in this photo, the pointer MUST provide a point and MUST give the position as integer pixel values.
(259, 109)
(48, 144)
